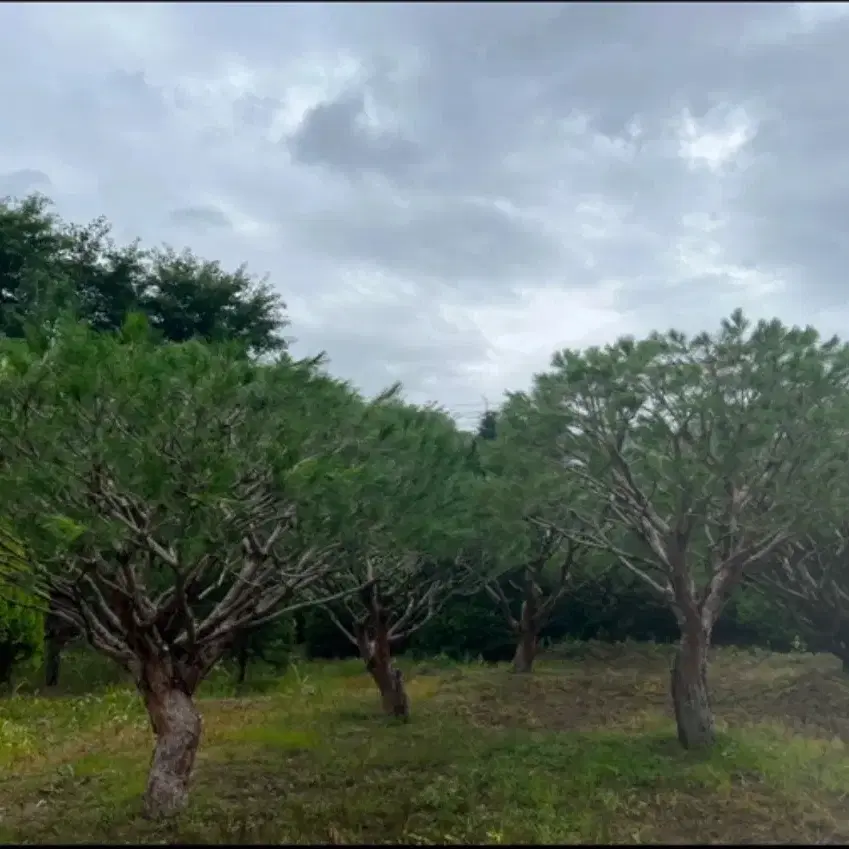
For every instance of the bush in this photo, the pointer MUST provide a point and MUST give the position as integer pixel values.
(272, 644)
(21, 632)
(322, 639)
(615, 608)
(466, 627)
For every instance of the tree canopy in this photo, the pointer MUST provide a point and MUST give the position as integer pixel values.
(47, 267)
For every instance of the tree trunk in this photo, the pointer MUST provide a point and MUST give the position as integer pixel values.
(690, 697)
(177, 725)
(242, 661)
(526, 651)
(393, 694)
(52, 660)
(390, 681)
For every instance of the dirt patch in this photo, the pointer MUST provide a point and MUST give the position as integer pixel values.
(560, 701)
(809, 694)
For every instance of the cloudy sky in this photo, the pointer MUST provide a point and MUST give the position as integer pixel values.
(447, 193)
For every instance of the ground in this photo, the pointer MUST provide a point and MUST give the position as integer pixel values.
(582, 751)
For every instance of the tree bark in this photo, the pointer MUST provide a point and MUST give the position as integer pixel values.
(177, 725)
(690, 696)
(526, 651)
(390, 681)
(393, 694)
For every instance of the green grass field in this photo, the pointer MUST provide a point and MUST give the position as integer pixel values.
(583, 751)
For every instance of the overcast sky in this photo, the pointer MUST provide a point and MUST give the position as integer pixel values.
(443, 193)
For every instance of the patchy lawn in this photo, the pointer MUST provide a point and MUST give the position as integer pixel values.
(583, 751)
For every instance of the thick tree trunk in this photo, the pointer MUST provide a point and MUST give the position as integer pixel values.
(393, 694)
(690, 697)
(177, 725)
(526, 652)
(390, 681)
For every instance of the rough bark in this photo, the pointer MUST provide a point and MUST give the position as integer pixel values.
(390, 681)
(393, 694)
(177, 726)
(690, 696)
(528, 627)
(526, 650)
(523, 659)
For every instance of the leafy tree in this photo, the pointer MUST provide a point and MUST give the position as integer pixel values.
(33, 281)
(706, 451)
(47, 266)
(488, 427)
(810, 581)
(401, 529)
(148, 478)
(523, 503)
(21, 620)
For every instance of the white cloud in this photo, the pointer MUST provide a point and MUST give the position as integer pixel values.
(450, 216)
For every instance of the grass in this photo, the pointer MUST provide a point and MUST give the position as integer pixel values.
(582, 751)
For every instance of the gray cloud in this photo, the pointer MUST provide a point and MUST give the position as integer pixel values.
(443, 240)
(446, 193)
(24, 182)
(200, 217)
(336, 134)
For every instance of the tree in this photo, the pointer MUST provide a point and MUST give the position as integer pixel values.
(523, 504)
(401, 528)
(47, 267)
(21, 631)
(706, 450)
(144, 479)
(810, 581)
(33, 281)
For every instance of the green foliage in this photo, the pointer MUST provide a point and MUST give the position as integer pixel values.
(100, 393)
(272, 644)
(404, 519)
(616, 607)
(47, 266)
(21, 616)
(21, 630)
(466, 627)
(151, 464)
(711, 445)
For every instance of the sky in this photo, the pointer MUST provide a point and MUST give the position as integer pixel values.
(445, 194)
